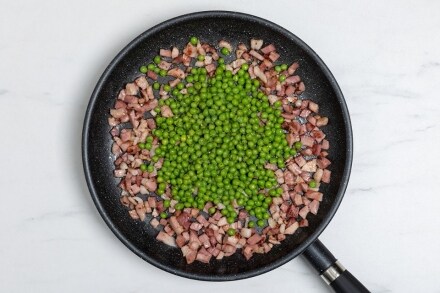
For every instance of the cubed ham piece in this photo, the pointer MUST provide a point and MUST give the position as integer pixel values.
(167, 239)
(323, 163)
(164, 65)
(301, 88)
(273, 56)
(180, 241)
(190, 50)
(151, 74)
(191, 256)
(300, 161)
(229, 249)
(257, 56)
(223, 221)
(184, 220)
(175, 225)
(131, 89)
(260, 74)
(203, 238)
(150, 184)
(314, 206)
(293, 79)
(297, 200)
(273, 99)
(318, 175)
(289, 178)
(133, 214)
(310, 166)
(210, 68)
(165, 53)
(315, 195)
(142, 82)
(254, 239)
(196, 226)
(220, 255)
(166, 111)
(201, 219)
(118, 113)
(280, 176)
(247, 252)
(304, 223)
(326, 176)
(269, 48)
(174, 52)
(292, 68)
(292, 228)
(245, 232)
(322, 121)
(177, 73)
(313, 107)
(294, 168)
(119, 173)
(304, 211)
(256, 44)
(154, 223)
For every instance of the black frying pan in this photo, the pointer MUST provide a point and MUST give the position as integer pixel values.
(321, 86)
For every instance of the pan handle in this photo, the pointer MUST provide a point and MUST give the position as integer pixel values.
(331, 270)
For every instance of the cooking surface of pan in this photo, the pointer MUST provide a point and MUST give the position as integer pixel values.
(212, 26)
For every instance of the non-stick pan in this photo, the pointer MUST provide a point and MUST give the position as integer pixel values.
(321, 86)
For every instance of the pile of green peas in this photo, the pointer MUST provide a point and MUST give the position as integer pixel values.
(216, 145)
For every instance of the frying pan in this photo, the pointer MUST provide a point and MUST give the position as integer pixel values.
(321, 86)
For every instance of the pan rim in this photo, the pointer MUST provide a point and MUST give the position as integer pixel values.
(348, 154)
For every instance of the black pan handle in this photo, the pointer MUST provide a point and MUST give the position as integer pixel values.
(331, 270)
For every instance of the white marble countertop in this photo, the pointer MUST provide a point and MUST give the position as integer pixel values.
(386, 58)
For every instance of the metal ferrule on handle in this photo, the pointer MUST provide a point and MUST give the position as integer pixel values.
(332, 273)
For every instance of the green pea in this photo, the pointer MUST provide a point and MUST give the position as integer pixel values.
(157, 59)
(193, 40)
(166, 203)
(163, 72)
(225, 51)
(143, 69)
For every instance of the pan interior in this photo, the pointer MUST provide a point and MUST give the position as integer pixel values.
(212, 27)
